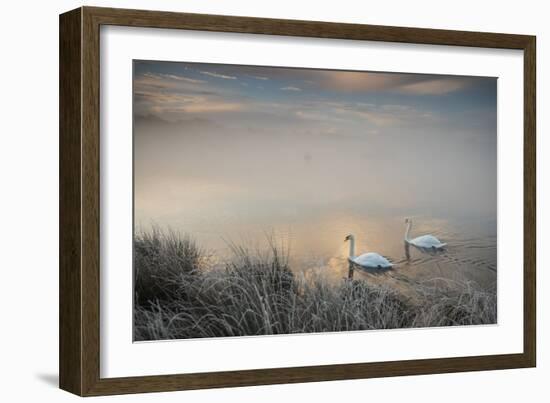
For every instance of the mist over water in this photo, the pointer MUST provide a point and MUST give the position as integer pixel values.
(301, 170)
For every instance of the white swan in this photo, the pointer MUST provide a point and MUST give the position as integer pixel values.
(369, 260)
(424, 241)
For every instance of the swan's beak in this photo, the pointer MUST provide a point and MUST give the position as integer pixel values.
(346, 238)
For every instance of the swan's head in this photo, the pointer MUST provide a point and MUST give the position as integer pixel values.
(407, 220)
(348, 237)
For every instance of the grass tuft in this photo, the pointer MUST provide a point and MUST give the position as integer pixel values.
(177, 296)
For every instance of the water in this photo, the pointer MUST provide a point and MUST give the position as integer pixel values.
(241, 188)
(227, 194)
(317, 245)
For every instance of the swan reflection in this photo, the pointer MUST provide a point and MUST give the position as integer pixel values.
(427, 251)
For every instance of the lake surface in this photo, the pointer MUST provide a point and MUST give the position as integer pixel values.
(219, 192)
(316, 245)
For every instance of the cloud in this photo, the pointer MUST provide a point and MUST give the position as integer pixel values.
(414, 84)
(169, 83)
(171, 96)
(169, 105)
(174, 111)
(351, 117)
(181, 78)
(211, 74)
(210, 106)
(355, 81)
(432, 87)
(341, 112)
(179, 95)
(160, 76)
(290, 88)
(260, 78)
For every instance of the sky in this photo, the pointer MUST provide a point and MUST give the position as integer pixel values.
(219, 147)
(259, 96)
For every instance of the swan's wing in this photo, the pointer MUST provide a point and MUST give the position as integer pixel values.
(427, 241)
(372, 260)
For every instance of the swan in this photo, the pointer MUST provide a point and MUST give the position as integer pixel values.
(369, 260)
(423, 241)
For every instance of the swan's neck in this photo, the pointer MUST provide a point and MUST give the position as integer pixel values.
(352, 246)
(408, 230)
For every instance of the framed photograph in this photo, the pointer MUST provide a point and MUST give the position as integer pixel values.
(249, 201)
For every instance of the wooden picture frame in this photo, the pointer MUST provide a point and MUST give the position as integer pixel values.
(79, 348)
